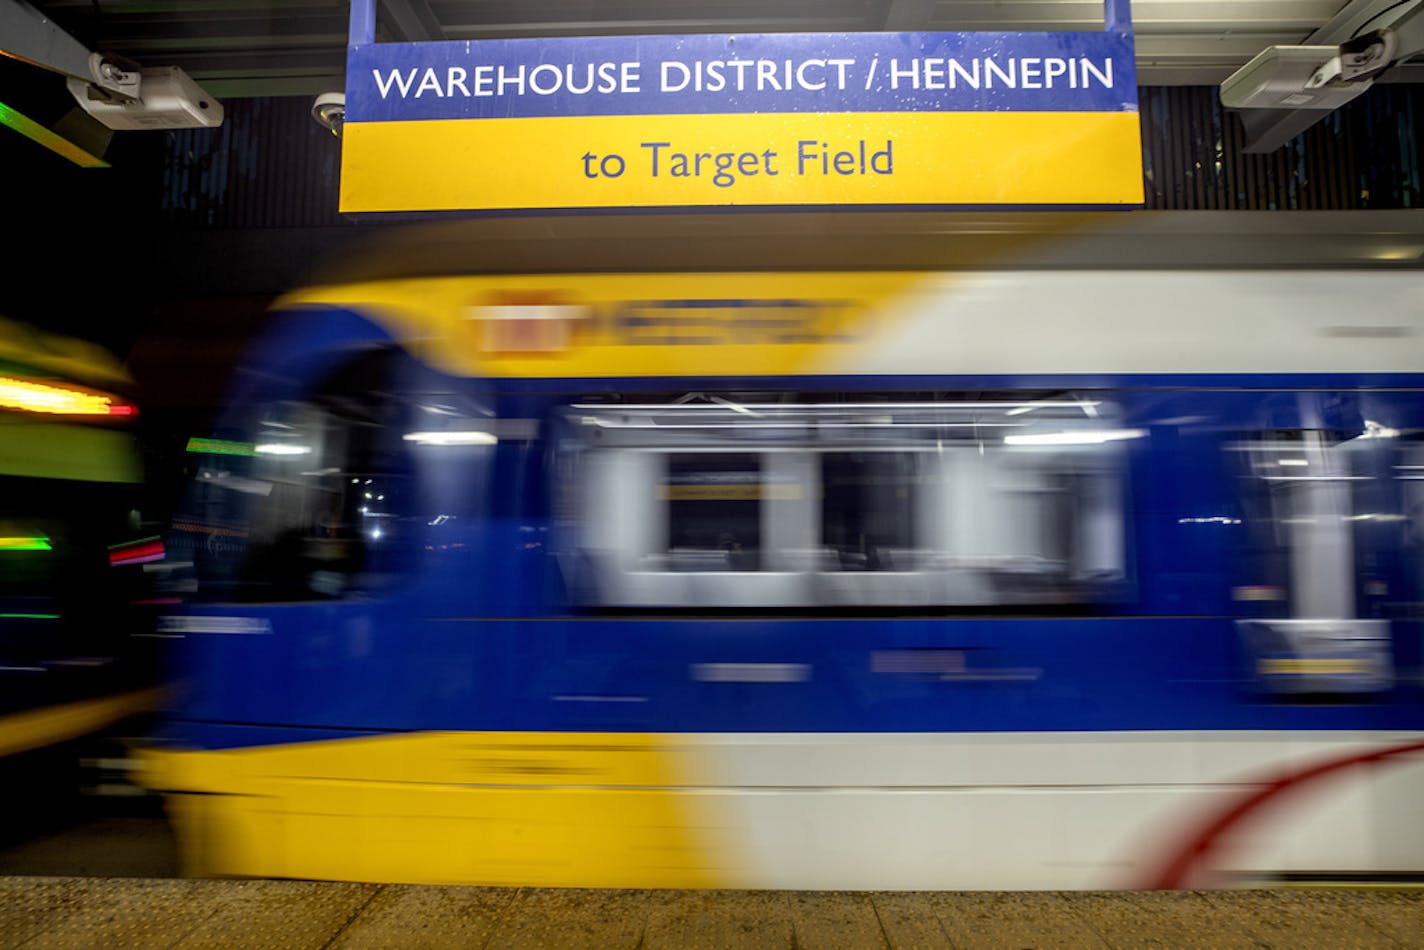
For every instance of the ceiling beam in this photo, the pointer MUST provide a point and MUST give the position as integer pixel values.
(27, 34)
(907, 16)
(1353, 19)
(412, 21)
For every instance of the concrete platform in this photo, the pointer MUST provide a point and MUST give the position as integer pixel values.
(44, 912)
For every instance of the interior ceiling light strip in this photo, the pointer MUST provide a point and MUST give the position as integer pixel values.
(825, 406)
(28, 395)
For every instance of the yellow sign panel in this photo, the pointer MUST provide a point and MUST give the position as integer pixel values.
(961, 158)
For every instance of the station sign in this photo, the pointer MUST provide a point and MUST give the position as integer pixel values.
(779, 120)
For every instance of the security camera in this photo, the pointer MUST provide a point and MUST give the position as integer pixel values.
(160, 98)
(1289, 77)
(1310, 77)
(329, 110)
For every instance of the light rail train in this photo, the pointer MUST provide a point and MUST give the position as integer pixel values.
(842, 552)
(73, 547)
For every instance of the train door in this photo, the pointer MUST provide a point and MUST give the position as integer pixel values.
(1327, 561)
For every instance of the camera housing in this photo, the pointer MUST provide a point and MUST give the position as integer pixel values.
(329, 111)
(165, 98)
(1291, 77)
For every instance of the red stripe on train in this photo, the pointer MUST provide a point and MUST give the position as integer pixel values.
(1191, 862)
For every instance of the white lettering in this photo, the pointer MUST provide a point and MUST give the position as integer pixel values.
(587, 86)
(991, 69)
(484, 80)
(544, 69)
(766, 75)
(957, 71)
(716, 77)
(607, 79)
(668, 67)
(912, 74)
(629, 78)
(394, 79)
(934, 74)
(455, 79)
(1029, 72)
(516, 80)
(429, 82)
(1103, 75)
(805, 83)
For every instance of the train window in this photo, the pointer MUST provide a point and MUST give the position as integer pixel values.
(869, 508)
(1321, 513)
(317, 504)
(733, 503)
(333, 505)
(714, 504)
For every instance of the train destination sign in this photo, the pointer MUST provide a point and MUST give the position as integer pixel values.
(880, 119)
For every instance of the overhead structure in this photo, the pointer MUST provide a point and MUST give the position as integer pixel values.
(245, 48)
(113, 91)
(239, 48)
(1286, 89)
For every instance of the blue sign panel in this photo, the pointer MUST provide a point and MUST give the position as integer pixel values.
(776, 73)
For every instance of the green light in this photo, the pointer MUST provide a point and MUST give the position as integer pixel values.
(37, 133)
(36, 543)
(132, 544)
(29, 616)
(221, 447)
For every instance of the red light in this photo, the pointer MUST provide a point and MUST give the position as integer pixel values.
(136, 552)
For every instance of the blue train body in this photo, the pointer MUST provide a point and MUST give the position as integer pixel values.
(1166, 589)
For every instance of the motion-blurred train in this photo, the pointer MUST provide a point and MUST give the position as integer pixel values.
(73, 546)
(844, 552)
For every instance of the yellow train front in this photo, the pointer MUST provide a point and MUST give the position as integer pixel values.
(680, 561)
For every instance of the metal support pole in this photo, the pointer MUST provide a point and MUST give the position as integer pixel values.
(363, 22)
(1117, 15)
